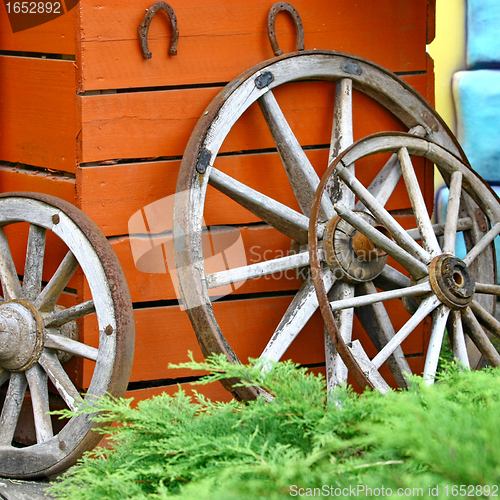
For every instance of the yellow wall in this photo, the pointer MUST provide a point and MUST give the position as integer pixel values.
(448, 52)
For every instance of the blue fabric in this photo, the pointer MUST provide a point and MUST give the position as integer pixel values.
(483, 33)
(477, 100)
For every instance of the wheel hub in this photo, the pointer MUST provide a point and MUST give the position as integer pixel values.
(452, 281)
(352, 254)
(21, 335)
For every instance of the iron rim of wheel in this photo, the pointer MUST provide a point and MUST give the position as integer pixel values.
(36, 306)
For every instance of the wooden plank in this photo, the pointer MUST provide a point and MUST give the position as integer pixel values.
(160, 123)
(18, 179)
(213, 391)
(164, 335)
(220, 39)
(126, 189)
(54, 37)
(37, 99)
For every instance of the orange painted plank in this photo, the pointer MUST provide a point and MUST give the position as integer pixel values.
(126, 189)
(54, 37)
(160, 123)
(164, 335)
(17, 179)
(37, 112)
(220, 39)
(213, 391)
(156, 123)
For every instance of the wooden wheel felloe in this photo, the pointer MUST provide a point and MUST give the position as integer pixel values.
(345, 73)
(38, 335)
(458, 294)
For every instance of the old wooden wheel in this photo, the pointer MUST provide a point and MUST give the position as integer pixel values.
(345, 72)
(38, 335)
(457, 294)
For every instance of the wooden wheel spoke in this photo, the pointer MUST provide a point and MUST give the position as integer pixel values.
(12, 408)
(450, 228)
(60, 379)
(257, 270)
(429, 240)
(71, 346)
(487, 288)
(38, 383)
(384, 183)
(417, 268)
(387, 179)
(301, 174)
(33, 267)
(378, 325)
(439, 228)
(383, 216)
(49, 296)
(60, 318)
(485, 318)
(479, 337)
(281, 217)
(481, 245)
(342, 129)
(342, 133)
(373, 298)
(459, 346)
(391, 279)
(425, 308)
(300, 310)
(439, 318)
(344, 318)
(8, 273)
(341, 138)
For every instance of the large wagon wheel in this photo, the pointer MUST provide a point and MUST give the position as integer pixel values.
(197, 172)
(458, 294)
(38, 335)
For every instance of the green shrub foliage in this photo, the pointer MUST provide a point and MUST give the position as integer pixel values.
(299, 443)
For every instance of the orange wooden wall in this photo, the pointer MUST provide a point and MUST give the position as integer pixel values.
(84, 117)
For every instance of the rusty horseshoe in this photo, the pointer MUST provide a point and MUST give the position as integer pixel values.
(144, 28)
(271, 22)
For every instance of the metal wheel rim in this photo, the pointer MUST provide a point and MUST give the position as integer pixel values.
(486, 199)
(397, 96)
(113, 308)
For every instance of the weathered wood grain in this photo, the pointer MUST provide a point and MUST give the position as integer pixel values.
(151, 276)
